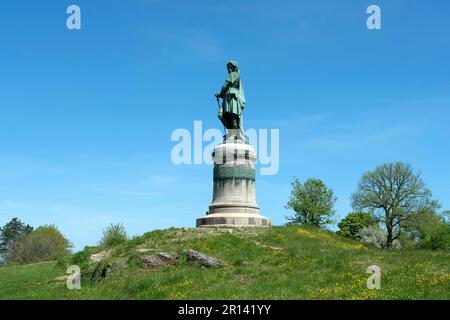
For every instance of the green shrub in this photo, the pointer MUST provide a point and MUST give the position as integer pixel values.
(82, 257)
(353, 223)
(10, 232)
(46, 243)
(430, 230)
(63, 262)
(113, 235)
(312, 202)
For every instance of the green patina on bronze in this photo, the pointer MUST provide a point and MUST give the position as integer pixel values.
(233, 98)
(241, 172)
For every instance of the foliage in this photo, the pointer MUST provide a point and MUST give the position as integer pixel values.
(10, 232)
(375, 237)
(82, 257)
(113, 235)
(355, 221)
(46, 243)
(430, 230)
(393, 194)
(312, 202)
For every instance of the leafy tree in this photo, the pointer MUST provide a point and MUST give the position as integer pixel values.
(374, 236)
(353, 223)
(430, 230)
(393, 194)
(10, 232)
(312, 202)
(46, 243)
(113, 235)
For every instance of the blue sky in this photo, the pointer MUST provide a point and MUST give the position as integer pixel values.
(86, 116)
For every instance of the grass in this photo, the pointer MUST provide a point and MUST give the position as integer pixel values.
(276, 263)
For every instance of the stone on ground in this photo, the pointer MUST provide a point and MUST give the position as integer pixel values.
(161, 259)
(100, 256)
(203, 259)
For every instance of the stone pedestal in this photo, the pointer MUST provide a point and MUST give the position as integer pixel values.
(234, 197)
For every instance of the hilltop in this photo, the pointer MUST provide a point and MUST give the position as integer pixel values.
(261, 263)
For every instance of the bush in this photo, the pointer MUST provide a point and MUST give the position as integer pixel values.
(429, 230)
(82, 257)
(312, 202)
(113, 235)
(374, 236)
(46, 243)
(436, 238)
(353, 223)
(10, 232)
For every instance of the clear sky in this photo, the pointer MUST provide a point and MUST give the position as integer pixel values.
(86, 116)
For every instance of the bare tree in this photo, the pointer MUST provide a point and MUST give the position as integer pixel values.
(393, 194)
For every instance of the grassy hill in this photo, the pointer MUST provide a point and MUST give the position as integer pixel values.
(276, 263)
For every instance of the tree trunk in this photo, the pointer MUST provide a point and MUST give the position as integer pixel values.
(389, 228)
(389, 239)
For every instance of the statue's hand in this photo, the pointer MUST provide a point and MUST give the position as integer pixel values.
(217, 94)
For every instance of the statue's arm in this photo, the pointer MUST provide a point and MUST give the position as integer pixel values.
(223, 91)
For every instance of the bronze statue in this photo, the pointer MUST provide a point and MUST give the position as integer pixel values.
(233, 99)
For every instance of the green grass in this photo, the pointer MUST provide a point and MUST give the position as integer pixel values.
(275, 263)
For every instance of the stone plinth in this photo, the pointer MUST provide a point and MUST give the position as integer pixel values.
(234, 197)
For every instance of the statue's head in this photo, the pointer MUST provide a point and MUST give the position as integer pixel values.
(232, 66)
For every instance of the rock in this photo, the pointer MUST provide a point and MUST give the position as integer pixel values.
(203, 259)
(151, 261)
(100, 256)
(161, 259)
(167, 257)
(143, 250)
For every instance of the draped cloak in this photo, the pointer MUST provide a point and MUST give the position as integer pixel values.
(232, 93)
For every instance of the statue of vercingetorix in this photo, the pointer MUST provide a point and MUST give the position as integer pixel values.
(232, 93)
(234, 196)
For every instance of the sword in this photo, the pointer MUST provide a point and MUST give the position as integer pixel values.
(218, 103)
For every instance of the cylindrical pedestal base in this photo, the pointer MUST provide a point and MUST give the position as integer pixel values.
(234, 220)
(234, 196)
